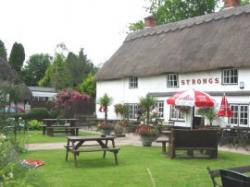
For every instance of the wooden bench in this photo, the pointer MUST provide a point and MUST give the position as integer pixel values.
(216, 173)
(193, 140)
(62, 129)
(91, 148)
(163, 141)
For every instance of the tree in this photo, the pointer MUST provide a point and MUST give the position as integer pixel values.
(139, 25)
(35, 69)
(77, 65)
(55, 75)
(68, 72)
(3, 53)
(17, 56)
(89, 85)
(166, 11)
(147, 103)
(105, 101)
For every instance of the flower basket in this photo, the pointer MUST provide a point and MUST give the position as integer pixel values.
(148, 134)
(183, 109)
(105, 128)
(147, 140)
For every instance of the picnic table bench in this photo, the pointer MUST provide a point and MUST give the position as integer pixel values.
(163, 141)
(60, 125)
(191, 140)
(75, 146)
(74, 131)
(216, 173)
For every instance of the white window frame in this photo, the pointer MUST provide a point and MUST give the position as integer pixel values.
(238, 111)
(159, 105)
(175, 114)
(132, 110)
(228, 75)
(133, 82)
(172, 81)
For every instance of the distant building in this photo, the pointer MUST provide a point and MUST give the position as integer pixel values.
(210, 53)
(42, 95)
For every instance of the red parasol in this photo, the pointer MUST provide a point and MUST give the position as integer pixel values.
(191, 98)
(225, 110)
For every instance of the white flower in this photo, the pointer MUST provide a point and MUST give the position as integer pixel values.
(2, 137)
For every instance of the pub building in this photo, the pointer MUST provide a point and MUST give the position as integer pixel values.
(210, 53)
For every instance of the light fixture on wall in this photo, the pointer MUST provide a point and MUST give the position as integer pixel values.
(242, 85)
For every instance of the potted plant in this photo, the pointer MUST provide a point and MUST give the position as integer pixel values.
(104, 102)
(208, 113)
(105, 128)
(148, 134)
(119, 128)
(147, 130)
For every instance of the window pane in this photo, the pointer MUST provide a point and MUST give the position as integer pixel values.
(172, 80)
(230, 76)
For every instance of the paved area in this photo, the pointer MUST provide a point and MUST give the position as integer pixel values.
(130, 139)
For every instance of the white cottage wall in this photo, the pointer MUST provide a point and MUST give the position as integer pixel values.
(206, 81)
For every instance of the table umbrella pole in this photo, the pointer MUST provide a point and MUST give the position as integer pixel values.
(192, 125)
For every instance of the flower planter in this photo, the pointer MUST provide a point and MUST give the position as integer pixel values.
(147, 140)
(105, 132)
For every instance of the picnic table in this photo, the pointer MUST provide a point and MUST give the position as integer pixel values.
(51, 121)
(164, 139)
(75, 146)
(52, 126)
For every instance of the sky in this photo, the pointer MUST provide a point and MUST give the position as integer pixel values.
(98, 26)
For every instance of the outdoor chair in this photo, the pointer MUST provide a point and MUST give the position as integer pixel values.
(231, 178)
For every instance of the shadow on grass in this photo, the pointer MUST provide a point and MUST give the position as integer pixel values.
(93, 163)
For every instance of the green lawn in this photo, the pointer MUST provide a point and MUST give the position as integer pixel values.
(132, 171)
(38, 137)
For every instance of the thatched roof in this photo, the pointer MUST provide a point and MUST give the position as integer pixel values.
(9, 77)
(213, 41)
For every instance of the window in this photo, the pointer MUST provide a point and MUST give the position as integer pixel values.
(240, 115)
(132, 111)
(133, 82)
(176, 114)
(159, 106)
(230, 76)
(172, 81)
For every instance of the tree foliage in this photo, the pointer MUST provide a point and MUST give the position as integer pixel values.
(17, 56)
(35, 69)
(175, 10)
(245, 2)
(105, 101)
(208, 113)
(165, 11)
(3, 53)
(139, 25)
(67, 72)
(88, 85)
(54, 75)
(147, 103)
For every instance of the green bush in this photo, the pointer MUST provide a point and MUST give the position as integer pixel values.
(34, 124)
(36, 113)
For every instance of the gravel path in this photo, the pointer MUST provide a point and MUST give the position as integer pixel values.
(130, 139)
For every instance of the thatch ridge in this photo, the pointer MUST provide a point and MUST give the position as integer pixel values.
(209, 42)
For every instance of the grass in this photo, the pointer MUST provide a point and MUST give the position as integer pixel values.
(135, 164)
(38, 137)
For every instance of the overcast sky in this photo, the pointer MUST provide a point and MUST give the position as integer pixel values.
(98, 26)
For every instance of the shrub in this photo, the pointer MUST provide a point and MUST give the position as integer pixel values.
(34, 124)
(37, 113)
(68, 101)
